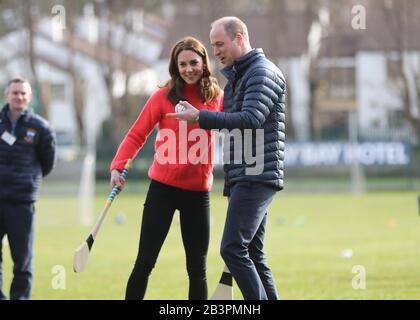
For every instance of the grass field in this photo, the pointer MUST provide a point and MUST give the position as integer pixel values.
(306, 236)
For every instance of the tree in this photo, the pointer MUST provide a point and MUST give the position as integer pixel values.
(27, 10)
(402, 17)
(72, 13)
(318, 22)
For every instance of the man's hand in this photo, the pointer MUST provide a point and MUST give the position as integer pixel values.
(190, 114)
(116, 180)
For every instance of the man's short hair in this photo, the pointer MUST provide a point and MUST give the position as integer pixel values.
(233, 26)
(16, 80)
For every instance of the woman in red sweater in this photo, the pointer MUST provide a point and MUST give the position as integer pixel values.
(181, 173)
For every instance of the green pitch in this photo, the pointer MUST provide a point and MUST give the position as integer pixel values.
(319, 246)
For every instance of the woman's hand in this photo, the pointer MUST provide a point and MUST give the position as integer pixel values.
(117, 180)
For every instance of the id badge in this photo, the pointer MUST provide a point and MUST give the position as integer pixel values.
(9, 138)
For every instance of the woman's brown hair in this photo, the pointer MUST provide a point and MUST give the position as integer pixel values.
(209, 87)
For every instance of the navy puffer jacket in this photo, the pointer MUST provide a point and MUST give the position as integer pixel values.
(28, 159)
(254, 105)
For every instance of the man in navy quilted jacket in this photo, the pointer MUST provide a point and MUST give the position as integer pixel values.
(27, 153)
(254, 106)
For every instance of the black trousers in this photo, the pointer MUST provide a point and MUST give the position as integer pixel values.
(194, 208)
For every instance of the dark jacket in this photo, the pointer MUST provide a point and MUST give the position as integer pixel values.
(254, 98)
(32, 155)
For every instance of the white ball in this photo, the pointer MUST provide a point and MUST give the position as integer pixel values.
(120, 218)
(179, 108)
(347, 253)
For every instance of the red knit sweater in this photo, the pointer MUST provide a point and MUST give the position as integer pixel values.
(183, 152)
